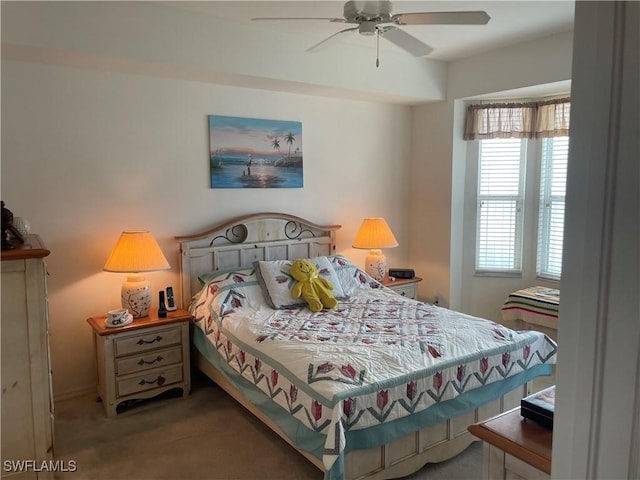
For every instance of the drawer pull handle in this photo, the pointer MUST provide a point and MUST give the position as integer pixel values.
(157, 339)
(158, 380)
(403, 293)
(144, 362)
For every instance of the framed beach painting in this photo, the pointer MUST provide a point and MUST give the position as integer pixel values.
(255, 153)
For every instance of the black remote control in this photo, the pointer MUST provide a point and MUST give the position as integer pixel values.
(162, 309)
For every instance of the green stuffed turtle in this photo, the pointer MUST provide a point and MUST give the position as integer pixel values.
(314, 289)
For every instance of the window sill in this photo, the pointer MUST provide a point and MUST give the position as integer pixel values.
(498, 274)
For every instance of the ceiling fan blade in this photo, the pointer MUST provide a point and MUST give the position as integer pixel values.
(407, 42)
(334, 20)
(329, 40)
(441, 18)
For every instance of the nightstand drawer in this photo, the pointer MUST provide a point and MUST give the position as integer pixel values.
(155, 359)
(147, 340)
(150, 380)
(408, 291)
(407, 287)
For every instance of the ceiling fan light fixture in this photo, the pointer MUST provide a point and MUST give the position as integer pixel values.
(367, 28)
(371, 17)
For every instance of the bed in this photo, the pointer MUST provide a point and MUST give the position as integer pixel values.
(374, 388)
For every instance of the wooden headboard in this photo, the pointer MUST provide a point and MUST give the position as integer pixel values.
(243, 240)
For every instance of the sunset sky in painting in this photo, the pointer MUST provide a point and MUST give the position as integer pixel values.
(252, 135)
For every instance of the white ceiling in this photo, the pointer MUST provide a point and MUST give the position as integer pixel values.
(511, 22)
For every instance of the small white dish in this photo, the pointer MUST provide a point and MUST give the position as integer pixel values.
(128, 320)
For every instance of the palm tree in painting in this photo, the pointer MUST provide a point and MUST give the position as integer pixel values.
(290, 138)
(275, 143)
(286, 161)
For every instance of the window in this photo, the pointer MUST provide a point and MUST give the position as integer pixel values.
(500, 205)
(500, 209)
(553, 180)
(512, 135)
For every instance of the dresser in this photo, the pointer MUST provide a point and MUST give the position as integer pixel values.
(27, 402)
(143, 359)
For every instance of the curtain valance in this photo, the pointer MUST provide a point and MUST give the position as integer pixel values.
(518, 120)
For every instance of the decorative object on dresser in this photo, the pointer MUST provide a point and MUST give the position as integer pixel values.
(27, 403)
(118, 318)
(407, 287)
(10, 234)
(375, 234)
(136, 252)
(141, 360)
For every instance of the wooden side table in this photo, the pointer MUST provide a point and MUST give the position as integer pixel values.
(514, 447)
(142, 359)
(407, 287)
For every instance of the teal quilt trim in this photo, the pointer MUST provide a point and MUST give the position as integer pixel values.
(387, 432)
(314, 442)
(528, 339)
(303, 437)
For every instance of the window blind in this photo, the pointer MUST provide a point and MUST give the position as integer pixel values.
(553, 180)
(500, 202)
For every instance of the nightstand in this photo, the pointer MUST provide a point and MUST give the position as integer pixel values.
(148, 357)
(407, 287)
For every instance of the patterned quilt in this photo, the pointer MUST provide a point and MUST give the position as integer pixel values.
(375, 358)
(536, 305)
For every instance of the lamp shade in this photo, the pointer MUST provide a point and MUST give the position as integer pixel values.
(136, 251)
(374, 233)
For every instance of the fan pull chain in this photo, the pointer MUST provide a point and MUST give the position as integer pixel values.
(377, 47)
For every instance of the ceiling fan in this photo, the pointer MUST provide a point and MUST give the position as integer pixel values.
(375, 18)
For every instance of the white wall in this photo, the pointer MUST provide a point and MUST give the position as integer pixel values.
(430, 210)
(439, 169)
(87, 154)
(104, 116)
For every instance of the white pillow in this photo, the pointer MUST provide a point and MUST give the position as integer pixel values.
(276, 281)
(351, 278)
(228, 289)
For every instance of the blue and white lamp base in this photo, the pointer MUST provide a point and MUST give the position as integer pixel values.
(136, 295)
(376, 264)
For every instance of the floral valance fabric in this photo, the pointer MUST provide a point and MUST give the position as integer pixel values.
(518, 120)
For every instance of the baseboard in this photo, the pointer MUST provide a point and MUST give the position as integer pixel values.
(79, 392)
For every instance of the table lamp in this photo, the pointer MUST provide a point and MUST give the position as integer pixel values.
(375, 234)
(136, 252)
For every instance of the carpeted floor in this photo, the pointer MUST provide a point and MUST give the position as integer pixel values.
(204, 436)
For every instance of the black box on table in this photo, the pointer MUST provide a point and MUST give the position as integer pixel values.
(402, 272)
(540, 406)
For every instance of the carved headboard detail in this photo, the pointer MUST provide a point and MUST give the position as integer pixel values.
(242, 240)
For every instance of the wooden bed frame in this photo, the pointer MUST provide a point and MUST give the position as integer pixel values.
(277, 236)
